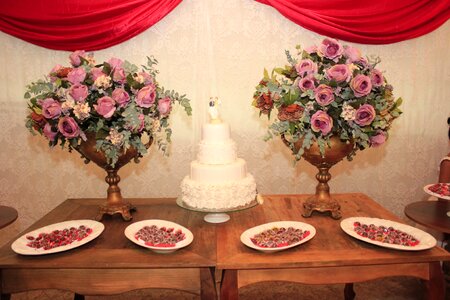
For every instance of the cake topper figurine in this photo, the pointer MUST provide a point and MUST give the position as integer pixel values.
(213, 109)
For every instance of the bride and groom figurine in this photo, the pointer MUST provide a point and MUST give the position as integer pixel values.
(213, 109)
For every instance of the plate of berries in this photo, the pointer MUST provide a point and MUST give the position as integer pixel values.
(160, 236)
(57, 237)
(277, 236)
(440, 190)
(388, 234)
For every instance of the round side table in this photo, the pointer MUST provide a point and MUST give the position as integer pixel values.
(7, 215)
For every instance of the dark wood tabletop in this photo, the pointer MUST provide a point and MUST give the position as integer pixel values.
(330, 257)
(431, 214)
(112, 264)
(7, 215)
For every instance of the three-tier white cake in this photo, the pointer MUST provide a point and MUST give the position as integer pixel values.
(219, 179)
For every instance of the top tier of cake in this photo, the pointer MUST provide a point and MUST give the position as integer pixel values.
(216, 147)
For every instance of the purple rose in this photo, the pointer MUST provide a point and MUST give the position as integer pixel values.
(49, 133)
(307, 83)
(53, 72)
(361, 85)
(324, 95)
(115, 62)
(146, 96)
(76, 75)
(119, 75)
(378, 139)
(321, 121)
(96, 73)
(68, 127)
(164, 106)
(365, 115)
(106, 106)
(330, 48)
(353, 54)
(376, 78)
(51, 109)
(338, 73)
(305, 67)
(75, 57)
(121, 97)
(79, 92)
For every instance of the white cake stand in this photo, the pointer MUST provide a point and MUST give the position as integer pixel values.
(217, 216)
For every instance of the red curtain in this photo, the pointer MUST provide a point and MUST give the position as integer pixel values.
(80, 24)
(366, 22)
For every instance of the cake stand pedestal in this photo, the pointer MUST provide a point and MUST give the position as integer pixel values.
(217, 216)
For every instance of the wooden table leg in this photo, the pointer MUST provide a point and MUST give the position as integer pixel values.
(349, 293)
(208, 285)
(435, 285)
(229, 286)
(78, 297)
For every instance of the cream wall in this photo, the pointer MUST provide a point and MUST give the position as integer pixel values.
(219, 48)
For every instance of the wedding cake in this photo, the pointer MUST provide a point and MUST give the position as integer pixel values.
(218, 179)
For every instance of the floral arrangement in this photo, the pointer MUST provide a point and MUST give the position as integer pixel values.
(114, 100)
(329, 90)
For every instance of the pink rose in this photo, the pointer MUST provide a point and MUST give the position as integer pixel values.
(146, 96)
(305, 67)
(115, 62)
(68, 127)
(321, 121)
(106, 106)
(121, 97)
(49, 133)
(338, 73)
(365, 115)
(378, 139)
(324, 95)
(148, 79)
(119, 75)
(96, 73)
(51, 109)
(141, 126)
(361, 85)
(376, 77)
(164, 106)
(330, 48)
(353, 54)
(75, 57)
(53, 72)
(76, 75)
(79, 92)
(307, 83)
(311, 49)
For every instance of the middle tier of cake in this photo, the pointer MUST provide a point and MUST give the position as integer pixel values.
(218, 173)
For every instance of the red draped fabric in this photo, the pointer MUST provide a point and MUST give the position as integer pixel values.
(80, 24)
(366, 22)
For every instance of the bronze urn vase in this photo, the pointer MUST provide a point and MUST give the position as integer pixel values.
(322, 201)
(115, 203)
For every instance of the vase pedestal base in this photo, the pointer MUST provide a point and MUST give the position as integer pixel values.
(315, 204)
(123, 209)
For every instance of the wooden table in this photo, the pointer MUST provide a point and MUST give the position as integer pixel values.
(7, 215)
(112, 264)
(431, 214)
(330, 257)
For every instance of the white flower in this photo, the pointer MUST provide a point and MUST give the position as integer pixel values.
(103, 82)
(81, 111)
(309, 106)
(67, 105)
(348, 112)
(115, 137)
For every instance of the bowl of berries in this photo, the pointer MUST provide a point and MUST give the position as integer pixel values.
(57, 237)
(277, 236)
(388, 234)
(160, 236)
(440, 190)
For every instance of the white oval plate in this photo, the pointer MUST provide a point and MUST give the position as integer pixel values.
(426, 189)
(131, 230)
(20, 245)
(426, 241)
(249, 233)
